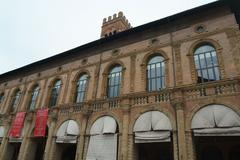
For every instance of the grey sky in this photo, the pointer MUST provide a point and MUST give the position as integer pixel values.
(31, 30)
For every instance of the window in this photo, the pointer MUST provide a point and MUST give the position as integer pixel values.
(1, 97)
(33, 100)
(206, 64)
(55, 92)
(114, 81)
(156, 73)
(81, 88)
(15, 100)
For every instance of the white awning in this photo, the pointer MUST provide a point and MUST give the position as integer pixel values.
(215, 120)
(152, 121)
(102, 147)
(104, 125)
(1, 131)
(68, 132)
(234, 131)
(152, 136)
(153, 126)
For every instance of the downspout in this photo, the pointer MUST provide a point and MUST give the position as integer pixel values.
(173, 55)
(174, 80)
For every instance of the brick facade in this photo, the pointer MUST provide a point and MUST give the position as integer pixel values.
(180, 100)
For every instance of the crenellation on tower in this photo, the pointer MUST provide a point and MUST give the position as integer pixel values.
(114, 24)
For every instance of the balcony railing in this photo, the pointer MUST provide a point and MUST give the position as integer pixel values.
(188, 93)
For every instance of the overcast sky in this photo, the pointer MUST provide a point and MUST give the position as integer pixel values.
(31, 30)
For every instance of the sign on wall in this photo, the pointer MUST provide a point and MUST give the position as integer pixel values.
(17, 125)
(40, 123)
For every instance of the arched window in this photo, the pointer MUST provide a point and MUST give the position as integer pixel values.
(34, 96)
(54, 93)
(206, 64)
(1, 98)
(103, 143)
(156, 73)
(114, 81)
(81, 88)
(15, 100)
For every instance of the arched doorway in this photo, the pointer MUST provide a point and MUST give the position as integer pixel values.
(103, 139)
(153, 140)
(216, 131)
(36, 147)
(66, 142)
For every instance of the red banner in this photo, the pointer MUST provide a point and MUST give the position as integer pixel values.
(17, 125)
(41, 123)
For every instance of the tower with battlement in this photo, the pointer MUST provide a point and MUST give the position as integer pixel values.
(114, 24)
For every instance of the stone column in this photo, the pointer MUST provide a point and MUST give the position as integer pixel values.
(4, 143)
(190, 145)
(125, 125)
(131, 150)
(52, 151)
(27, 139)
(182, 154)
(50, 137)
(81, 139)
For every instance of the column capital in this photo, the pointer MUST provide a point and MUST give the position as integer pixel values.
(178, 103)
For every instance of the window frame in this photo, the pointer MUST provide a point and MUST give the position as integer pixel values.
(82, 90)
(156, 77)
(33, 98)
(55, 96)
(15, 99)
(209, 66)
(115, 86)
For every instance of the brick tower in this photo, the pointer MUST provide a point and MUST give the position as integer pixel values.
(114, 24)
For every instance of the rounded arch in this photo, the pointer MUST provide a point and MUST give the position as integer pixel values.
(164, 124)
(58, 125)
(111, 64)
(68, 128)
(33, 85)
(164, 111)
(199, 106)
(79, 74)
(15, 90)
(53, 81)
(199, 43)
(94, 119)
(153, 53)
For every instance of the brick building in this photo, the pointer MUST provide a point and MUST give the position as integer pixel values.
(165, 90)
